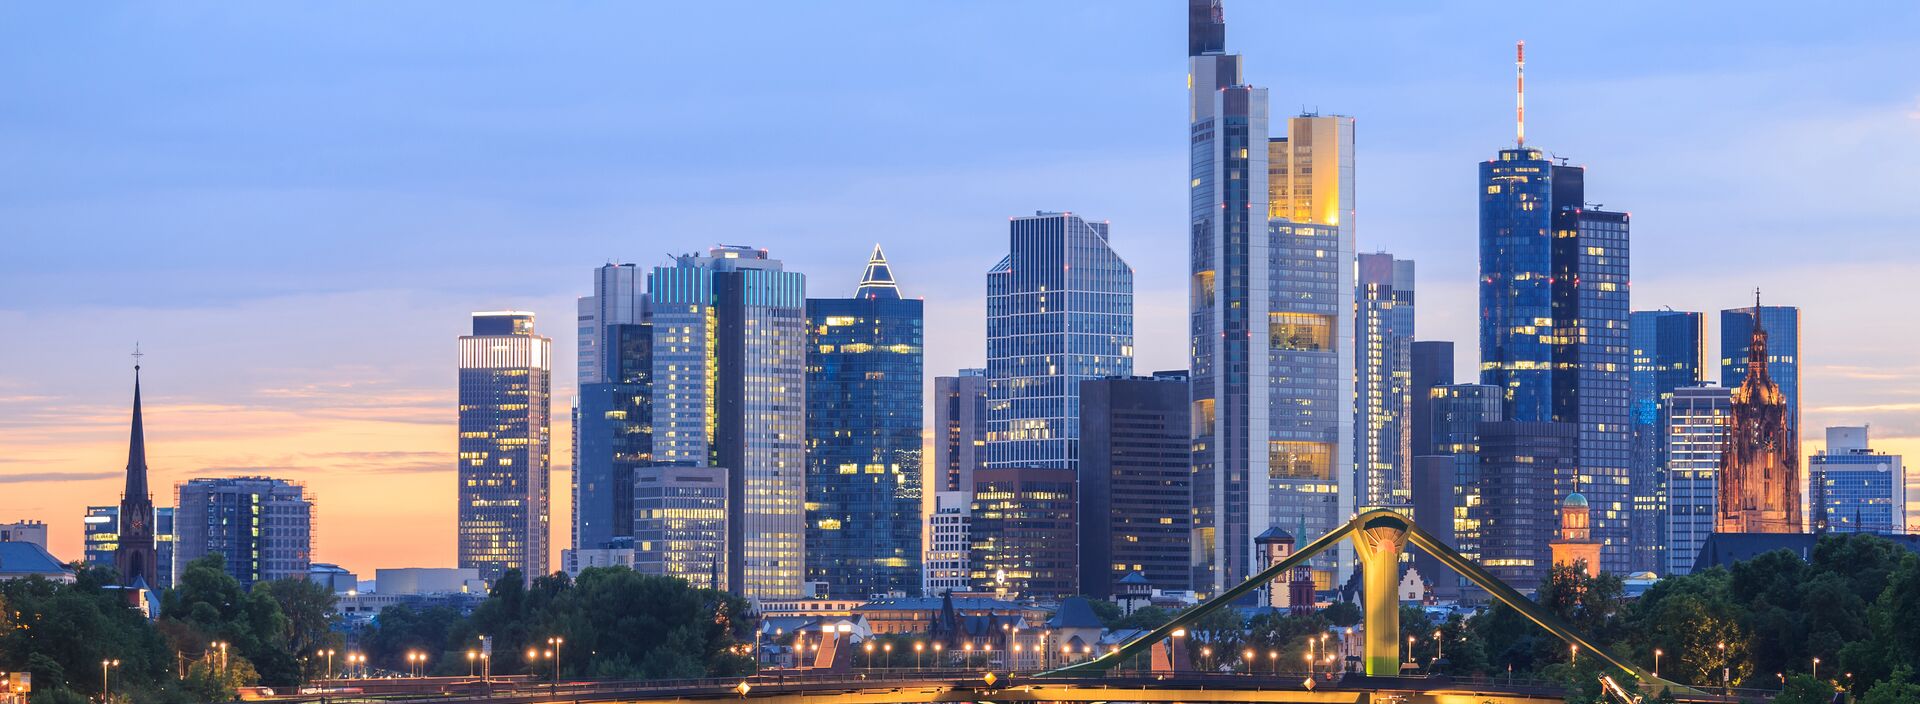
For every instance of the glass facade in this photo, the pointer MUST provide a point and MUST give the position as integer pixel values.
(505, 425)
(1696, 419)
(262, 526)
(864, 390)
(1457, 411)
(1592, 364)
(1519, 463)
(729, 380)
(1135, 483)
(1516, 296)
(101, 526)
(680, 523)
(1432, 366)
(960, 429)
(1854, 489)
(1059, 311)
(1669, 352)
(613, 436)
(1023, 530)
(1383, 442)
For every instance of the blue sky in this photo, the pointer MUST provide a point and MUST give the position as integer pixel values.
(294, 205)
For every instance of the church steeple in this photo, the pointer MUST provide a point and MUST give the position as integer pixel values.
(134, 557)
(137, 449)
(877, 282)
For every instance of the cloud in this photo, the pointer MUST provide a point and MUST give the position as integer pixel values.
(31, 477)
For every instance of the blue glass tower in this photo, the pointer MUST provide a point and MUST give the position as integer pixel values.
(1516, 297)
(1059, 311)
(1854, 489)
(1782, 324)
(613, 434)
(864, 367)
(1669, 352)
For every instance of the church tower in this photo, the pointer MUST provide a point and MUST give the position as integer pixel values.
(134, 557)
(1760, 466)
(1576, 547)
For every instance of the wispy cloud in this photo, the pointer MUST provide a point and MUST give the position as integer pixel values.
(33, 477)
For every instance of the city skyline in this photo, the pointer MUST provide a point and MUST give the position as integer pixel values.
(336, 383)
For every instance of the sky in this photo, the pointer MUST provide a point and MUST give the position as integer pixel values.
(292, 207)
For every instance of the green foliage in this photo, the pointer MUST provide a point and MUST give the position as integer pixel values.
(1343, 614)
(1107, 611)
(1804, 689)
(1898, 688)
(1145, 617)
(207, 605)
(61, 633)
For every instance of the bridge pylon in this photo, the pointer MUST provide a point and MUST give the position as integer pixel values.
(1379, 542)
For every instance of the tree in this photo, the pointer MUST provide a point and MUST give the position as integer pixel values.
(1145, 618)
(1343, 613)
(1898, 688)
(209, 603)
(1804, 689)
(60, 633)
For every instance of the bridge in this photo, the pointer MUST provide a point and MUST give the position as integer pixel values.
(1379, 538)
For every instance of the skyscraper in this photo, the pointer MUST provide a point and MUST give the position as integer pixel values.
(1669, 352)
(1384, 342)
(1458, 411)
(680, 523)
(1760, 472)
(613, 413)
(864, 373)
(1059, 311)
(1519, 462)
(960, 429)
(1023, 532)
(1432, 366)
(1697, 421)
(1854, 489)
(134, 556)
(1516, 296)
(729, 391)
(1135, 482)
(1782, 324)
(949, 543)
(261, 526)
(505, 407)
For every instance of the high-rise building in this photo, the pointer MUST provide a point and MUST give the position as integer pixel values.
(1432, 366)
(505, 421)
(1383, 331)
(134, 554)
(1059, 311)
(1697, 420)
(613, 413)
(24, 532)
(1135, 482)
(1782, 324)
(680, 523)
(1023, 532)
(262, 527)
(729, 390)
(1760, 473)
(1516, 293)
(102, 536)
(864, 391)
(1433, 503)
(1520, 463)
(1669, 352)
(1854, 489)
(960, 429)
(949, 543)
(1458, 411)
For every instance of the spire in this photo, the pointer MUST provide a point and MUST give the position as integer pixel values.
(877, 282)
(137, 443)
(1757, 349)
(1520, 93)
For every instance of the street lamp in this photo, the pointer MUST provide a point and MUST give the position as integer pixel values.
(937, 647)
(869, 648)
(1656, 662)
(887, 648)
(105, 693)
(471, 656)
(917, 647)
(1273, 660)
(967, 660)
(1816, 668)
(1250, 659)
(328, 652)
(556, 642)
(1440, 643)
(1206, 653)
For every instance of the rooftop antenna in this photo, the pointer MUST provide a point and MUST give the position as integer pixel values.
(1520, 92)
(136, 356)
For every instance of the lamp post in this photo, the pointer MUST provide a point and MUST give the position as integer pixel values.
(105, 693)
(886, 650)
(1726, 670)
(917, 647)
(1656, 662)
(222, 645)
(556, 642)
(1440, 643)
(1250, 659)
(937, 647)
(1206, 655)
(329, 653)
(1816, 668)
(869, 648)
(471, 657)
(966, 662)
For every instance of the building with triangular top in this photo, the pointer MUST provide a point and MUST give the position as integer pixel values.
(863, 405)
(134, 556)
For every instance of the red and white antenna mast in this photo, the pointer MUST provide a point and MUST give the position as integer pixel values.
(1520, 92)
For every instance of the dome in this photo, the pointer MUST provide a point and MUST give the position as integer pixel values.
(1575, 500)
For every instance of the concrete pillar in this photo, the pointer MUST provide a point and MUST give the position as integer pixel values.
(1378, 544)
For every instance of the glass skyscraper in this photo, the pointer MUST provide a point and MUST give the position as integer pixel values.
(1457, 411)
(680, 523)
(1384, 341)
(1059, 311)
(613, 413)
(1516, 294)
(729, 380)
(1854, 489)
(262, 527)
(1669, 352)
(960, 429)
(1697, 421)
(1782, 324)
(505, 406)
(1432, 366)
(1136, 478)
(864, 371)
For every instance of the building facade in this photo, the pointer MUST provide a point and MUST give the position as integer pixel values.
(505, 426)
(1059, 311)
(1516, 294)
(864, 402)
(1519, 463)
(1383, 438)
(729, 390)
(1592, 366)
(1136, 484)
(949, 544)
(613, 412)
(101, 533)
(1432, 366)
(26, 532)
(680, 523)
(1853, 489)
(960, 429)
(1458, 411)
(1669, 352)
(1782, 325)
(1760, 471)
(1024, 532)
(1697, 420)
(262, 527)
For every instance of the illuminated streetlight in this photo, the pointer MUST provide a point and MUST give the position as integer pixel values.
(917, 647)
(105, 693)
(1656, 662)
(1816, 668)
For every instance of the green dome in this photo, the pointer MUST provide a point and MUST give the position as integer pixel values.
(1575, 500)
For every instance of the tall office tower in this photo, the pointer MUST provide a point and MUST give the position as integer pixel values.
(960, 429)
(261, 526)
(1516, 294)
(1458, 410)
(729, 390)
(612, 415)
(1023, 532)
(864, 372)
(949, 543)
(1432, 366)
(505, 407)
(613, 438)
(1519, 462)
(28, 531)
(134, 556)
(1782, 324)
(101, 526)
(1136, 484)
(680, 523)
(1697, 420)
(1760, 475)
(1854, 489)
(1059, 311)
(1669, 352)
(1433, 502)
(1591, 357)
(1383, 331)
